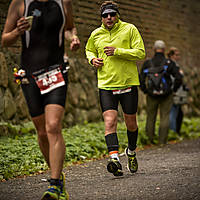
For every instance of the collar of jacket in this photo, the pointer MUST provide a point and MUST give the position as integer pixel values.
(116, 26)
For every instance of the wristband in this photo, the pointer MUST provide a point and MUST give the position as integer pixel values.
(92, 61)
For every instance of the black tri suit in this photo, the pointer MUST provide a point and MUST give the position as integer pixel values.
(42, 51)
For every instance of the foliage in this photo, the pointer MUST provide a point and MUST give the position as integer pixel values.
(20, 154)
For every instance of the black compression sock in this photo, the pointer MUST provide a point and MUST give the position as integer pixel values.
(112, 142)
(54, 181)
(132, 139)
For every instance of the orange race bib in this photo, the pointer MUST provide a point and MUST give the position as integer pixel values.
(50, 80)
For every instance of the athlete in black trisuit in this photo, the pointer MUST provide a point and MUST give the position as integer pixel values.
(46, 75)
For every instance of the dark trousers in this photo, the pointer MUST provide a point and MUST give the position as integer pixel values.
(164, 104)
(176, 118)
(179, 120)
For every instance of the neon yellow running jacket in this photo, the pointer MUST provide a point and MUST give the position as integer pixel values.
(119, 70)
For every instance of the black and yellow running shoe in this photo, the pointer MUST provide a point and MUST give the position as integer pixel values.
(114, 167)
(63, 193)
(52, 193)
(132, 161)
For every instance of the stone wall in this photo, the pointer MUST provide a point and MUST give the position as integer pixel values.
(176, 22)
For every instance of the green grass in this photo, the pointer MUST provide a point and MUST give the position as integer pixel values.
(20, 154)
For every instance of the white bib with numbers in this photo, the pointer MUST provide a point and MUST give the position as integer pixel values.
(122, 91)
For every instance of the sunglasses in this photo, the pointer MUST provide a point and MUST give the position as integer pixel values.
(113, 14)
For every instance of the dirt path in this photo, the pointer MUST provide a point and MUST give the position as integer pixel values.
(168, 173)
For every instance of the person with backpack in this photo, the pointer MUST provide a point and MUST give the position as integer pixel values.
(156, 83)
(179, 97)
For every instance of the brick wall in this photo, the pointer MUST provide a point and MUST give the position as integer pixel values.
(176, 22)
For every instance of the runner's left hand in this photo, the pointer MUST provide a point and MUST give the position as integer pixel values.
(109, 51)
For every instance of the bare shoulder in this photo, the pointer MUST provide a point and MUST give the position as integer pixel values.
(17, 6)
(17, 3)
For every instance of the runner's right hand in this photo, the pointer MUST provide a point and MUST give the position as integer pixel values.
(97, 62)
(22, 25)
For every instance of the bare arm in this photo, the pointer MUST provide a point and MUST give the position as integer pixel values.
(70, 29)
(15, 23)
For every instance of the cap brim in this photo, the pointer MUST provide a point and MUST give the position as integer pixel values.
(106, 11)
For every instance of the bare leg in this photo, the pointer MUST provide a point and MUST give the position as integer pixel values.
(43, 142)
(110, 121)
(53, 118)
(131, 122)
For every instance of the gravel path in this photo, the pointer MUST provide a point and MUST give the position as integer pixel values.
(171, 172)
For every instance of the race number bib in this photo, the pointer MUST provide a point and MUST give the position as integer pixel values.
(122, 91)
(50, 80)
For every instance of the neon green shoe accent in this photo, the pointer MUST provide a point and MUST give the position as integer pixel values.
(63, 193)
(64, 196)
(52, 193)
(115, 167)
(132, 162)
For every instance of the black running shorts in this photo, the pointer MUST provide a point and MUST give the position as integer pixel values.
(37, 102)
(128, 101)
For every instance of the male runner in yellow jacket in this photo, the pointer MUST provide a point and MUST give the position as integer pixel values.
(114, 49)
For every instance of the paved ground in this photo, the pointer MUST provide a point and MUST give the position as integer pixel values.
(171, 172)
